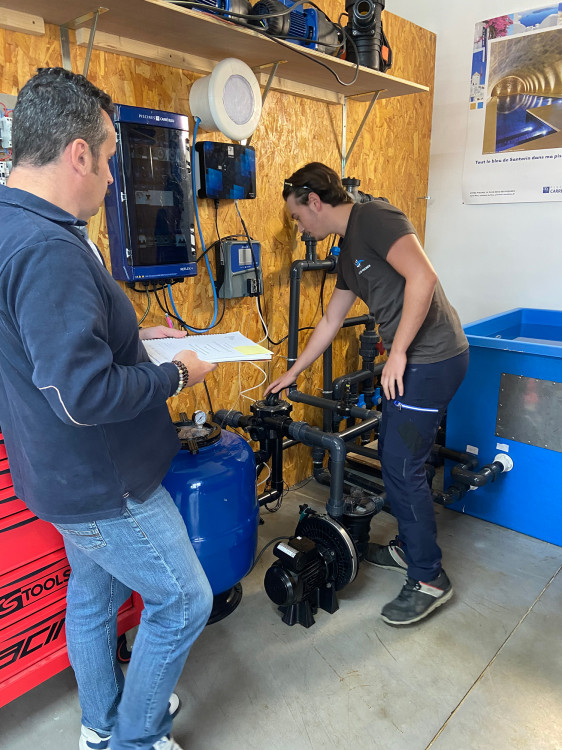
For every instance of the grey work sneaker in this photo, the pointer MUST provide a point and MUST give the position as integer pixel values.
(91, 740)
(417, 599)
(390, 556)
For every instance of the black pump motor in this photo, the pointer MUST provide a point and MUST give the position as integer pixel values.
(321, 558)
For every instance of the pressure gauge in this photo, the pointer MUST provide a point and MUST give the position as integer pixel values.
(199, 417)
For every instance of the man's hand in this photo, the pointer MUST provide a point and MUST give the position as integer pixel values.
(279, 385)
(393, 374)
(198, 368)
(160, 332)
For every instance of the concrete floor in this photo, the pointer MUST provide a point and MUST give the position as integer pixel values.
(482, 673)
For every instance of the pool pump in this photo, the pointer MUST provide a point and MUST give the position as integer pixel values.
(321, 558)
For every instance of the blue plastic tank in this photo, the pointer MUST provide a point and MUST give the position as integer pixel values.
(213, 483)
(511, 402)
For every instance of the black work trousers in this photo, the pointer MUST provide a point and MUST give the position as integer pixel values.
(408, 429)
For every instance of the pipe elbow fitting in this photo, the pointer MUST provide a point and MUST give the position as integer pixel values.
(336, 446)
(226, 417)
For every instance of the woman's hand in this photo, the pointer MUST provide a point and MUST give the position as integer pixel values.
(160, 332)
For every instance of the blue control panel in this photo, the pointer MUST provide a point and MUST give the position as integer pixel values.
(149, 206)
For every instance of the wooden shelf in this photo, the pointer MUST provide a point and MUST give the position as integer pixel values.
(156, 30)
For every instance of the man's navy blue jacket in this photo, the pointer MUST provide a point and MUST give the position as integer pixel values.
(82, 409)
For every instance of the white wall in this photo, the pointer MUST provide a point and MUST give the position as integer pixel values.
(494, 257)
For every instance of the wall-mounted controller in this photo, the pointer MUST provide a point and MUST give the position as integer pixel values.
(225, 171)
(149, 207)
(238, 269)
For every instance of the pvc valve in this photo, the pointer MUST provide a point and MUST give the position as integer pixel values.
(505, 460)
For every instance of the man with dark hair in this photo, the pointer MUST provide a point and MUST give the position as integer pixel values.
(54, 108)
(85, 421)
(382, 262)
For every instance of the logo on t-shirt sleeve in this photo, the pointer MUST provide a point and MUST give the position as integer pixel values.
(357, 264)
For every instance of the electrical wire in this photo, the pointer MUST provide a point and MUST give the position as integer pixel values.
(217, 201)
(155, 289)
(264, 324)
(320, 303)
(181, 321)
(289, 38)
(212, 411)
(242, 393)
(263, 481)
(148, 303)
(278, 343)
(295, 48)
(263, 316)
(176, 315)
(279, 502)
(213, 285)
(168, 315)
(252, 16)
(263, 549)
(260, 311)
(211, 247)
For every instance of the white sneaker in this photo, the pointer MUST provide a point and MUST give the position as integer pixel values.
(166, 743)
(174, 705)
(91, 740)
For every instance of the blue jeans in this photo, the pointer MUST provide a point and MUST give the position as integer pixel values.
(408, 428)
(146, 549)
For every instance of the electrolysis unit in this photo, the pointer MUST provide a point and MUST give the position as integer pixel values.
(225, 171)
(149, 206)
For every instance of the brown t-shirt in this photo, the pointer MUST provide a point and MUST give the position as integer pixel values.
(363, 269)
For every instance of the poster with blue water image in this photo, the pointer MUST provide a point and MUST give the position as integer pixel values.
(514, 135)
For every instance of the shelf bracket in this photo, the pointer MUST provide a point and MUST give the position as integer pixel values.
(272, 75)
(65, 40)
(346, 154)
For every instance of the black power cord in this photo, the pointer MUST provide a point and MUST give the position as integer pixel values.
(148, 303)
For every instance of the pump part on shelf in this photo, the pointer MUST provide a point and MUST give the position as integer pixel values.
(238, 7)
(229, 100)
(351, 184)
(307, 27)
(370, 46)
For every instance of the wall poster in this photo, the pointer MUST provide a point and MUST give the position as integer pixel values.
(514, 138)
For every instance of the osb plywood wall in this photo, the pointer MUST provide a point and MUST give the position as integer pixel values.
(391, 159)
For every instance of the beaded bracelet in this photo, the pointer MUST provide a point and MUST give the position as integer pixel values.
(184, 376)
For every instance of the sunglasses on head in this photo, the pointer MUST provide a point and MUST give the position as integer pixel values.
(287, 184)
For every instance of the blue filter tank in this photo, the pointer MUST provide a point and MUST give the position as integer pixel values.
(213, 483)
